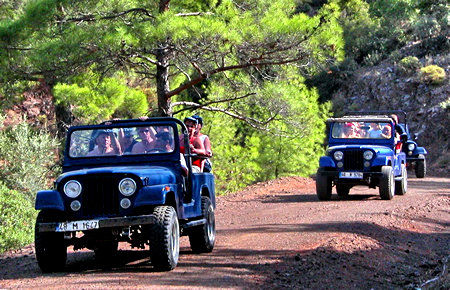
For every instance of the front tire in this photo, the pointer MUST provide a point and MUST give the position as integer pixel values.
(51, 251)
(165, 239)
(387, 183)
(401, 186)
(421, 168)
(323, 187)
(202, 238)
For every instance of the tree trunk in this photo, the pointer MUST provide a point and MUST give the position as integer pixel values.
(162, 80)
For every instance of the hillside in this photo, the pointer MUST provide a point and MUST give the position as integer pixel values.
(389, 86)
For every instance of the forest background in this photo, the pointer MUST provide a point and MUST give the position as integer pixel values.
(264, 75)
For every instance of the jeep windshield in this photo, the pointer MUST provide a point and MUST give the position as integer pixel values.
(121, 141)
(362, 130)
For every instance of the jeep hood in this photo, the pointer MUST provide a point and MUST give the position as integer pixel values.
(153, 174)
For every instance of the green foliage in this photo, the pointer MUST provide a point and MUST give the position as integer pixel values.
(17, 217)
(26, 156)
(93, 99)
(409, 65)
(432, 74)
(291, 145)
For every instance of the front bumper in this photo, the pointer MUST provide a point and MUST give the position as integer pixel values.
(104, 223)
(336, 174)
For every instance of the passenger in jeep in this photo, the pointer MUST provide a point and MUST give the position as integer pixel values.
(147, 141)
(386, 132)
(349, 131)
(105, 144)
(164, 142)
(196, 145)
(206, 142)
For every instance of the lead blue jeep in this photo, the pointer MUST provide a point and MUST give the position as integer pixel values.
(362, 150)
(117, 188)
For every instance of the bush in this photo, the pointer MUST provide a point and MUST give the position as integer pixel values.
(17, 217)
(26, 157)
(432, 74)
(409, 65)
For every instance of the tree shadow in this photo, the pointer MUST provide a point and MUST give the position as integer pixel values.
(358, 255)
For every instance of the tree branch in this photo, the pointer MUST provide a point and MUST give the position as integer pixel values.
(227, 68)
(256, 124)
(194, 14)
(209, 103)
(92, 17)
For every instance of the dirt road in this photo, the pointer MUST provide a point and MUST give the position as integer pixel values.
(277, 234)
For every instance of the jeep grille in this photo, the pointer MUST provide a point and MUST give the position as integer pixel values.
(100, 196)
(353, 160)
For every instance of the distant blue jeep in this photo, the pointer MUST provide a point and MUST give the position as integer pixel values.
(415, 155)
(362, 151)
(118, 187)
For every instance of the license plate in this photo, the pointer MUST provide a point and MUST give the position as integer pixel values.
(355, 175)
(77, 226)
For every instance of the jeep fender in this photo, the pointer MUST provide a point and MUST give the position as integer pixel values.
(155, 194)
(326, 161)
(49, 199)
(382, 161)
(419, 150)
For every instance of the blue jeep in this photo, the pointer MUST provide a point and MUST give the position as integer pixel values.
(117, 188)
(362, 151)
(415, 155)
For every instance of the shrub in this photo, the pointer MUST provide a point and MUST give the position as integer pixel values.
(432, 74)
(26, 156)
(408, 65)
(17, 217)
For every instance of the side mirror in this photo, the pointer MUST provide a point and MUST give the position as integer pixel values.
(404, 138)
(415, 136)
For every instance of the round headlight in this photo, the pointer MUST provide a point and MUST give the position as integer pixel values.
(75, 205)
(411, 147)
(368, 155)
(125, 203)
(127, 186)
(338, 155)
(72, 188)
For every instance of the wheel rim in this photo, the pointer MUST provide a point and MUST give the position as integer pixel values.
(175, 241)
(211, 225)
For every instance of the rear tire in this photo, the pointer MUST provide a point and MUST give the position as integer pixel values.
(323, 187)
(387, 183)
(165, 239)
(401, 186)
(51, 251)
(421, 168)
(342, 190)
(202, 238)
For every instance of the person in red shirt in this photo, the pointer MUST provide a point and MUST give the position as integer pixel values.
(195, 144)
(206, 142)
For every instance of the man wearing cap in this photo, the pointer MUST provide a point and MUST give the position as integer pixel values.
(126, 139)
(106, 144)
(206, 142)
(195, 144)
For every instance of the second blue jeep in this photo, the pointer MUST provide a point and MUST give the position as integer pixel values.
(362, 150)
